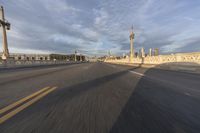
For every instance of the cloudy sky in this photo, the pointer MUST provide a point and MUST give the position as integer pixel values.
(95, 26)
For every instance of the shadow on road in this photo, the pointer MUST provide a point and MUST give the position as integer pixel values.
(154, 107)
(77, 89)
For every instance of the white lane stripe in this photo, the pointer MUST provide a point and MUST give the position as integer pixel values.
(188, 94)
(137, 73)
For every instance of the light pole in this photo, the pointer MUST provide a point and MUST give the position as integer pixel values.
(75, 56)
(131, 44)
(5, 25)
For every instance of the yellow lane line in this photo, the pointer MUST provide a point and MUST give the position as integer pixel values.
(22, 107)
(22, 100)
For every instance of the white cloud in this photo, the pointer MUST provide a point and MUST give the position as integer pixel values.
(101, 17)
(62, 26)
(59, 6)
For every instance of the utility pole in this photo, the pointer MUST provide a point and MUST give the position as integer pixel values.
(131, 44)
(75, 56)
(5, 25)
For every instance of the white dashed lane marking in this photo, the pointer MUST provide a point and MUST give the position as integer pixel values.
(140, 74)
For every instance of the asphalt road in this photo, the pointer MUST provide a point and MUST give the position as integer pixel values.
(99, 98)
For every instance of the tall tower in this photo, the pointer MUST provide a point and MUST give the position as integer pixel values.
(131, 44)
(5, 25)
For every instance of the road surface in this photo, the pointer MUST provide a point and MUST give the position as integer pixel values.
(99, 98)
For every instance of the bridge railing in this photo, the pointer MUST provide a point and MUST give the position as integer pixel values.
(183, 58)
(181, 61)
(22, 63)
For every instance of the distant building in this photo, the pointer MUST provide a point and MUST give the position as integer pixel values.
(20, 56)
(60, 57)
(72, 57)
(142, 52)
(156, 52)
(150, 52)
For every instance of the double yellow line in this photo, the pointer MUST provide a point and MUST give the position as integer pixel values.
(25, 102)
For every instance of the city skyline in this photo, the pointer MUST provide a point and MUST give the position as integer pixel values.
(94, 27)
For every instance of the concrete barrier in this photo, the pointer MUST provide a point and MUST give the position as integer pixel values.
(26, 63)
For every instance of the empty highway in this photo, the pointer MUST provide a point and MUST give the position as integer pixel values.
(98, 98)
